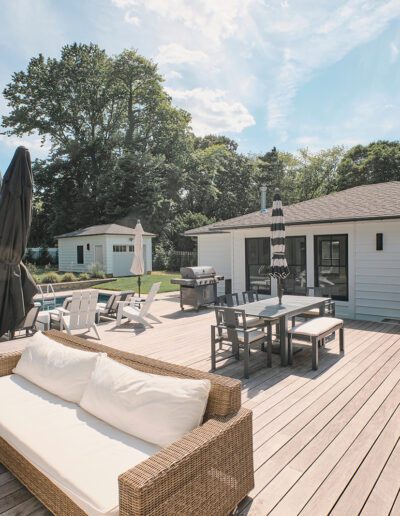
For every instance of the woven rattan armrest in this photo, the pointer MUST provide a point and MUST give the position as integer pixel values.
(209, 471)
(8, 361)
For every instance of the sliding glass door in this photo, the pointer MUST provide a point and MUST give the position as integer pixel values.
(258, 259)
(331, 265)
(296, 282)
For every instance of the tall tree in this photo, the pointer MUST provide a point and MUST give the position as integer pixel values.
(111, 126)
(374, 163)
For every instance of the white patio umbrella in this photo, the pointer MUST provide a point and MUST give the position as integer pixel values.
(138, 261)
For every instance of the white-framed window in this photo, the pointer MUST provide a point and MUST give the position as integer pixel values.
(119, 248)
(131, 248)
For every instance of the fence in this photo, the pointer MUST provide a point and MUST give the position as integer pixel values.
(178, 259)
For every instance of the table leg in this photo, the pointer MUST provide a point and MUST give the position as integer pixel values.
(283, 338)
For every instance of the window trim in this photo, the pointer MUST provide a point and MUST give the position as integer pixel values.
(316, 261)
(80, 249)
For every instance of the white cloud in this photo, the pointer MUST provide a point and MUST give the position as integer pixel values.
(216, 20)
(132, 19)
(283, 43)
(211, 111)
(173, 74)
(174, 53)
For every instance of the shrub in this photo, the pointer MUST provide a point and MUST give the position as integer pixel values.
(51, 277)
(32, 268)
(44, 256)
(68, 276)
(29, 258)
(96, 272)
(84, 276)
(161, 258)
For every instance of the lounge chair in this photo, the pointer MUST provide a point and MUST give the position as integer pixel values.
(29, 323)
(110, 308)
(139, 315)
(81, 314)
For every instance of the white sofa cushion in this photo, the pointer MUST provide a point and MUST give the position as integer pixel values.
(59, 369)
(158, 409)
(79, 453)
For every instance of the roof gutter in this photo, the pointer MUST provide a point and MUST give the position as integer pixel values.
(301, 223)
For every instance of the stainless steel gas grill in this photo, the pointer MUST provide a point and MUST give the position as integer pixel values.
(198, 286)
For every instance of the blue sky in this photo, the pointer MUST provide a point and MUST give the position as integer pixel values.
(289, 73)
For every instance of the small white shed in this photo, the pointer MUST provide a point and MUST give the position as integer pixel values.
(111, 246)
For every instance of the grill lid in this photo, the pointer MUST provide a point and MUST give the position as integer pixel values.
(204, 271)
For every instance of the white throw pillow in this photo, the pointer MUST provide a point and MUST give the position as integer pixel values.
(58, 369)
(158, 409)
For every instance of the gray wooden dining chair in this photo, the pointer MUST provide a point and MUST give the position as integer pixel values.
(231, 330)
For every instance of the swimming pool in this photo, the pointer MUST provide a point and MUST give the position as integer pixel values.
(48, 304)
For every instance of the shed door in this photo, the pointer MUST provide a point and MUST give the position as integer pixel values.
(98, 255)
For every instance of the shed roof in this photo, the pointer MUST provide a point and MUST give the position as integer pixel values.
(367, 202)
(103, 229)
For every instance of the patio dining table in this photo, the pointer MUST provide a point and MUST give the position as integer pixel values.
(270, 309)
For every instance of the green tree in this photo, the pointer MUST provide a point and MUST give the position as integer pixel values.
(117, 143)
(377, 162)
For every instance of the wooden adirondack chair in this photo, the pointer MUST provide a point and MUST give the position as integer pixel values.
(140, 315)
(81, 313)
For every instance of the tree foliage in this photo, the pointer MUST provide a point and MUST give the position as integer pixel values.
(120, 150)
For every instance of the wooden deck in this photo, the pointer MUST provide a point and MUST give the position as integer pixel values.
(325, 441)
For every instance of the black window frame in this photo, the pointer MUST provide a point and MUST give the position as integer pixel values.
(266, 265)
(80, 255)
(303, 291)
(331, 237)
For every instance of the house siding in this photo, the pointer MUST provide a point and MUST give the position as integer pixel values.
(377, 273)
(67, 253)
(215, 250)
(373, 276)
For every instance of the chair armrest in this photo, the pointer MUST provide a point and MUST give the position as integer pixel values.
(8, 361)
(209, 471)
(63, 311)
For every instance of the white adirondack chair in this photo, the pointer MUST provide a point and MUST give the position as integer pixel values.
(81, 313)
(140, 315)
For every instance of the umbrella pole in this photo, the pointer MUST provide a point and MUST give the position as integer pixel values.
(280, 290)
(139, 282)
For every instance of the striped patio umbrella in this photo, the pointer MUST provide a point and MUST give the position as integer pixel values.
(279, 267)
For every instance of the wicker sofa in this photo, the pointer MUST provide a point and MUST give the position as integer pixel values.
(207, 472)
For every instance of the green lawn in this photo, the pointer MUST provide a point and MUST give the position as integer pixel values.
(130, 282)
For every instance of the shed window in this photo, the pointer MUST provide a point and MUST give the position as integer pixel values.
(131, 249)
(79, 254)
(119, 248)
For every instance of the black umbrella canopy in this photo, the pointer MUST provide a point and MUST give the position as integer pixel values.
(17, 287)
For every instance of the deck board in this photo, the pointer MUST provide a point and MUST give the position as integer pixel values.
(324, 441)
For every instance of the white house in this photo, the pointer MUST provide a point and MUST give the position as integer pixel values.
(347, 244)
(111, 246)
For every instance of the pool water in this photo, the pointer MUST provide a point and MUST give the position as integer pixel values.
(49, 305)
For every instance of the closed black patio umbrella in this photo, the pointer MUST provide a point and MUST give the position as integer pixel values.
(17, 287)
(279, 268)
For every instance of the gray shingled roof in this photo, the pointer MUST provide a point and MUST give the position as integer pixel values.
(103, 229)
(368, 202)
